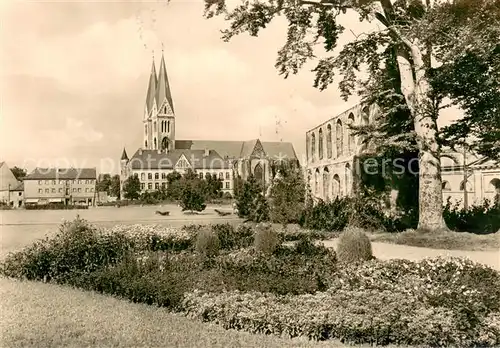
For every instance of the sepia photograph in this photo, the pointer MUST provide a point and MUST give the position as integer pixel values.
(250, 173)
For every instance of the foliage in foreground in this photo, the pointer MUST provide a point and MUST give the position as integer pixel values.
(354, 246)
(296, 290)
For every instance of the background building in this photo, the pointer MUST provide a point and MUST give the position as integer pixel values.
(482, 178)
(11, 190)
(331, 148)
(161, 153)
(61, 185)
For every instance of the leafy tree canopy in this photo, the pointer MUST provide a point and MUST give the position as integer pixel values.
(461, 35)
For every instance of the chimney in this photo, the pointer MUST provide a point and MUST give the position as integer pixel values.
(207, 152)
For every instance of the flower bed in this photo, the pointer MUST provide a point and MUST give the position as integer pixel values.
(295, 290)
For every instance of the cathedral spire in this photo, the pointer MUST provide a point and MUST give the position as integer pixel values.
(124, 155)
(151, 88)
(163, 88)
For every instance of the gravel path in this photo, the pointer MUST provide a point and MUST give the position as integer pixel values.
(387, 251)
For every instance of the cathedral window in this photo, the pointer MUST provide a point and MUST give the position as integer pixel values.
(146, 144)
(154, 142)
(320, 144)
(154, 126)
(329, 141)
(340, 138)
(145, 129)
(313, 146)
(168, 126)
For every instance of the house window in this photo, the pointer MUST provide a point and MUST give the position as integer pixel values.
(46, 182)
(79, 189)
(150, 176)
(157, 185)
(143, 176)
(53, 182)
(227, 185)
(91, 189)
(74, 189)
(150, 186)
(228, 176)
(86, 190)
(142, 186)
(39, 182)
(221, 175)
(53, 190)
(60, 190)
(201, 176)
(46, 190)
(20, 193)
(163, 185)
(163, 175)
(157, 176)
(40, 190)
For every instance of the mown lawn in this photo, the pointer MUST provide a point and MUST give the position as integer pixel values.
(46, 315)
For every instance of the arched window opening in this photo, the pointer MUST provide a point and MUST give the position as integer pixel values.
(446, 186)
(336, 186)
(146, 144)
(154, 126)
(348, 179)
(329, 141)
(168, 126)
(326, 184)
(316, 182)
(313, 146)
(154, 144)
(339, 138)
(365, 115)
(350, 135)
(145, 129)
(320, 144)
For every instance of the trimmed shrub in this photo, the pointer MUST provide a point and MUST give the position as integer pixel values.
(231, 238)
(328, 216)
(266, 240)
(207, 243)
(354, 246)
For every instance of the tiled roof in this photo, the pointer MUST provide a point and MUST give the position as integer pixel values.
(62, 174)
(239, 149)
(19, 187)
(151, 159)
(124, 155)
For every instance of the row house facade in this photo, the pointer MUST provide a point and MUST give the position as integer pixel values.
(67, 186)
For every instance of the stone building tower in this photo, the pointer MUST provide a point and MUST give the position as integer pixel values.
(159, 116)
(124, 171)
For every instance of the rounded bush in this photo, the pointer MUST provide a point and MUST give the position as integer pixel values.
(354, 246)
(266, 239)
(207, 243)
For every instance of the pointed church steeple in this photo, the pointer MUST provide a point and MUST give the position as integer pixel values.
(151, 88)
(163, 88)
(124, 155)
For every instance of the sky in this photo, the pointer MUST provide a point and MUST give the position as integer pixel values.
(74, 77)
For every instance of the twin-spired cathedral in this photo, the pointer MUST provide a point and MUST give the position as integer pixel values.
(162, 153)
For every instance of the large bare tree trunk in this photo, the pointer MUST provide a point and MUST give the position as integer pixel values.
(416, 88)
